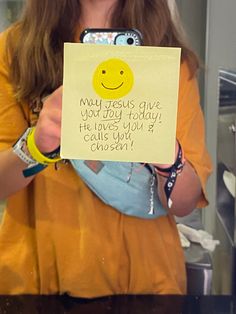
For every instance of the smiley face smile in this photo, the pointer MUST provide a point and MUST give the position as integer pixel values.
(113, 88)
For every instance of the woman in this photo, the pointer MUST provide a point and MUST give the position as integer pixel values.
(56, 235)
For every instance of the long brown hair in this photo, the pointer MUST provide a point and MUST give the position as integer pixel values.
(35, 42)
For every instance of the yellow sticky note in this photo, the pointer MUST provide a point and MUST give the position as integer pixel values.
(120, 103)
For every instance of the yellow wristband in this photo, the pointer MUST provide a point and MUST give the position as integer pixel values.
(35, 153)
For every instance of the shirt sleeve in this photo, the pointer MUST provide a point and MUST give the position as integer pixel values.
(191, 129)
(12, 117)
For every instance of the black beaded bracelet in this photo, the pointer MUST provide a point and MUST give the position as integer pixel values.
(171, 174)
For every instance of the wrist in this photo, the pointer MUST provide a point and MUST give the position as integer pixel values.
(21, 150)
(44, 143)
(171, 174)
(25, 148)
(44, 159)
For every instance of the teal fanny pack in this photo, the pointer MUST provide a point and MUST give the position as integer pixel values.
(131, 188)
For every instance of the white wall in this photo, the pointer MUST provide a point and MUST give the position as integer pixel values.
(9, 11)
(220, 52)
(193, 15)
(3, 10)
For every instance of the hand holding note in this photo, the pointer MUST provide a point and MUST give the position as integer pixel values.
(48, 129)
(120, 103)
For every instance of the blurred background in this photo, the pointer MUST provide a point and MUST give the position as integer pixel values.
(210, 28)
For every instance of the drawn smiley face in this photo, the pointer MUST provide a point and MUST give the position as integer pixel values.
(113, 79)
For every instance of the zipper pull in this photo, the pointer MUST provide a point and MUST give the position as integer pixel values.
(130, 172)
(152, 185)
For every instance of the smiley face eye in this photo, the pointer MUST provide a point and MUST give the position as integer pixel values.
(103, 72)
(121, 72)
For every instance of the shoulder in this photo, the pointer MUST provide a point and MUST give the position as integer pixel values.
(186, 77)
(10, 33)
(3, 48)
(3, 38)
(189, 98)
(188, 87)
(184, 70)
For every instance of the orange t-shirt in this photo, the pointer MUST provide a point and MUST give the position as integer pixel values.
(58, 237)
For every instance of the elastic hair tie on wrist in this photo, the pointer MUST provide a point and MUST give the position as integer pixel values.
(36, 154)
